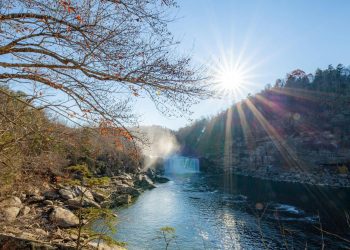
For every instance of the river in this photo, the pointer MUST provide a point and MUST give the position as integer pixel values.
(252, 214)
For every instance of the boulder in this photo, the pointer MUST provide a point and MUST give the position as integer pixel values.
(99, 196)
(10, 208)
(125, 176)
(128, 182)
(83, 190)
(119, 200)
(105, 204)
(63, 217)
(161, 179)
(51, 195)
(125, 189)
(66, 193)
(151, 173)
(145, 182)
(77, 202)
(35, 199)
(48, 202)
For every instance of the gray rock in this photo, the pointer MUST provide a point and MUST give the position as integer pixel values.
(161, 179)
(151, 173)
(77, 203)
(99, 197)
(73, 236)
(125, 189)
(125, 176)
(64, 218)
(47, 202)
(121, 200)
(83, 190)
(35, 199)
(145, 182)
(9, 208)
(51, 195)
(66, 194)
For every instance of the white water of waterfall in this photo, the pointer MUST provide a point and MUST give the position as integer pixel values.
(181, 165)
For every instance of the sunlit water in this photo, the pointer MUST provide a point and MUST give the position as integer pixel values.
(206, 217)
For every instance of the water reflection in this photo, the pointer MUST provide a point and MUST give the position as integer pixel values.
(205, 217)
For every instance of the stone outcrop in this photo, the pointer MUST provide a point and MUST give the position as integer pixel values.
(78, 202)
(119, 200)
(63, 217)
(145, 182)
(155, 177)
(10, 208)
(160, 179)
(66, 193)
(42, 219)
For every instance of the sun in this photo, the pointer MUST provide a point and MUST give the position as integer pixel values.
(230, 79)
(233, 75)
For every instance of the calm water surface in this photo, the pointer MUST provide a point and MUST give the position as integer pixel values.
(252, 214)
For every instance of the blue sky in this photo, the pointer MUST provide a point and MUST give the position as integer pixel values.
(271, 38)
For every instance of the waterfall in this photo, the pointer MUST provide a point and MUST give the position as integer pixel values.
(181, 165)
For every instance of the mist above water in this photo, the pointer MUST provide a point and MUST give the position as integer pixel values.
(160, 143)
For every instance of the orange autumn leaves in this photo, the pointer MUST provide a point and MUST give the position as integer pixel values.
(106, 128)
(67, 5)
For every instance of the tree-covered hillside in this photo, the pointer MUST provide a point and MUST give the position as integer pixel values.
(302, 122)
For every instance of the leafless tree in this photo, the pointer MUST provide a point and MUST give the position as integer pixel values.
(86, 59)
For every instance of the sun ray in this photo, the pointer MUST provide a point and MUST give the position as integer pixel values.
(247, 133)
(228, 147)
(281, 145)
(288, 154)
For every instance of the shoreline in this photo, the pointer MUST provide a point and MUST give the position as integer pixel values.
(334, 181)
(44, 218)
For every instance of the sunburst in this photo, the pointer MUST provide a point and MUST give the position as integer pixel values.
(232, 77)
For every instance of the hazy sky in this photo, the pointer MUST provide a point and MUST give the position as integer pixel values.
(268, 37)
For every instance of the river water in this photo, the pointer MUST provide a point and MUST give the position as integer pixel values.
(252, 214)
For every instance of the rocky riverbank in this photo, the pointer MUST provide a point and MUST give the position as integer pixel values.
(320, 178)
(44, 219)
